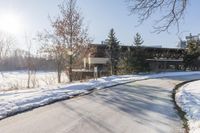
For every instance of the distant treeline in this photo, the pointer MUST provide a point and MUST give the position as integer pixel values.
(20, 60)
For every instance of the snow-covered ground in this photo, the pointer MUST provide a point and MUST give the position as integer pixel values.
(15, 101)
(188, 98)
(18, 79)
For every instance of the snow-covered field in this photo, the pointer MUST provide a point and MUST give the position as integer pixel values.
(15, 101)
(188, 98)
(18, 79)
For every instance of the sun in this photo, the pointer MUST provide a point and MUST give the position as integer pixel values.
(10, 23)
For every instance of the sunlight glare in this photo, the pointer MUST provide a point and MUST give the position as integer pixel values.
(10, 23)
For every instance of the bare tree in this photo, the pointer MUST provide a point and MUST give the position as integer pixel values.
(70, 37)
(52, 48)
(30, 64)
(69, 27)
(172, 10)
(6, 42)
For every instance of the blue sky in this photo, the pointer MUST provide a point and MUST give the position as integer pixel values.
(101, 16)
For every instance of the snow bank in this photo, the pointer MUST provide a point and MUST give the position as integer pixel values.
(188, 98)
(12, 102)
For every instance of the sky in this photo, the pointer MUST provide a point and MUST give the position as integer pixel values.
(100, 16)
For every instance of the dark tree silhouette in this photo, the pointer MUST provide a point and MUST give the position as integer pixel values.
(138, 41)
(113, 51)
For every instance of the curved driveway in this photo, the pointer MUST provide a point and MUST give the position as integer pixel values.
(138, 107)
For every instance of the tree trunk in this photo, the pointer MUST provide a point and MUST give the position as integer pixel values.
(59, 73)
(29, 78)
(70, 68)
(59, 77)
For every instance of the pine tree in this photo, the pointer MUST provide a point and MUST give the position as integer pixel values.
(113, 51)
(137, 57)
(192, 54)
(122, 67)
(138, 41)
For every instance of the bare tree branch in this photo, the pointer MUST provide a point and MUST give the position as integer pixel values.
(6, 42)
(173, 12)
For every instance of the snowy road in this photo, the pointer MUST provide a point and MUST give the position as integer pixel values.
(141, 107)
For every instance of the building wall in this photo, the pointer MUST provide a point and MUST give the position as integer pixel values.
(155, 56)
(96, 60)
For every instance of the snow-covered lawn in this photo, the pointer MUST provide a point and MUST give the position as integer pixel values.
(15, 101)
(188, 98)
(18, 79)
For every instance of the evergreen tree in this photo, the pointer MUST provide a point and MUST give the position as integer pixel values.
(192, 54)
(113, 51)
(138, 41)
(123, 67)
(137, 57)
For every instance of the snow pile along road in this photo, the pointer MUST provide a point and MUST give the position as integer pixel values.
(188, 98)
(12, 102)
